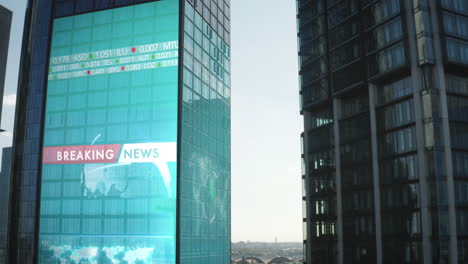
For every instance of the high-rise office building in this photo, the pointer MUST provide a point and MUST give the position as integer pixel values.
(5, 27)
(4, 198)
(122, 147)
(384, 92)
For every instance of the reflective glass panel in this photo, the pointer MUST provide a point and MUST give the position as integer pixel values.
(109, 172)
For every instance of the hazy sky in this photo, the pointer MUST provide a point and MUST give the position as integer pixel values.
(266, 125)
(11, 80)
(266, 186)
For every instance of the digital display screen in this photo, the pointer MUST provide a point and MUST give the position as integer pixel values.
(109, 164)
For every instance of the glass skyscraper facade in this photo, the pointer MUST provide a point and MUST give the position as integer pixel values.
(205, 193)
(5, 29)
(383, 89)
(122, 146)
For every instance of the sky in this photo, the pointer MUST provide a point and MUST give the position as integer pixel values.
(266, 124)
(11, 78)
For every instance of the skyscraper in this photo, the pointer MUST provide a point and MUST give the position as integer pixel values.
(4, 198)
(384, 92)
(122, 147)
(5, 26)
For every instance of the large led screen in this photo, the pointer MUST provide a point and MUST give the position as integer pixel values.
(109, 177)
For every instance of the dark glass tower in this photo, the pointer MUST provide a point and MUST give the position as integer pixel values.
(4, 198)
(127, 79)
(5, 26)
(384, 93)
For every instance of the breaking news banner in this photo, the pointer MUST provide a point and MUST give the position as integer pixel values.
(158, 154)
(111, 153)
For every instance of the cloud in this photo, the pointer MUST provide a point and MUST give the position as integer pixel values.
(7, 134)
(9, 100)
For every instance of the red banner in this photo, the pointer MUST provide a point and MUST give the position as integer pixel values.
(81, 154)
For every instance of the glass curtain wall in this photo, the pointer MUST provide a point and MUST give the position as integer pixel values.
(205, 183)
(322, 187)
(348, 47)
(8, 92)
(399, 181)
(357, 179)
(319, 151)
(454, 22)
(457, 101)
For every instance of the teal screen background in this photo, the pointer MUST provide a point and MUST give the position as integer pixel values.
(128, 215)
